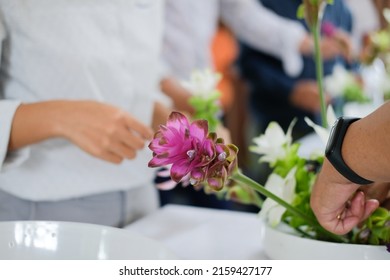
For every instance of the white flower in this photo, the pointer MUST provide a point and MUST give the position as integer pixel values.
(273, 144)
(338, 81)
(386, 84)
(386, 14)
(202, 83)
(283, 188)
(322, 132)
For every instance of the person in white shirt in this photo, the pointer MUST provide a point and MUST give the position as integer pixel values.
(79, 81)
(191, 25)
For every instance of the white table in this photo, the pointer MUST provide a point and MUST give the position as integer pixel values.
(202, 233)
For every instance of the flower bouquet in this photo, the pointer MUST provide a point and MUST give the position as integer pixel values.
(201, 158)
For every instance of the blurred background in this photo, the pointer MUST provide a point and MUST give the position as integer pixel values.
(257, 86)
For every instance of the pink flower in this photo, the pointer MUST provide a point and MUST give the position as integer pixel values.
(328, 29)
(192, 150)
(223, 164)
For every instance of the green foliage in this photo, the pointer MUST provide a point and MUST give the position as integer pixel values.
(301, 11)
(207, 108)
(354, 92)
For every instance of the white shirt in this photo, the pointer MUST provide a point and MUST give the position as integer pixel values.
(105, 50)
(191, 25)
(365, 19)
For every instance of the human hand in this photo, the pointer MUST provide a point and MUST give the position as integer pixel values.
(345, 44)
(339, 44)
(305, 96)
(160, 115)
(179, 95)
(378, 191)
(337, 204)
(102, 130)
(224, 133)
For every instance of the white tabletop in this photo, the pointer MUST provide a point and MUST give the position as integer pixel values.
(202, 233)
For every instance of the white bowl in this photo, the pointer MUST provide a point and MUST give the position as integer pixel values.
(280, 245)
(74, 241)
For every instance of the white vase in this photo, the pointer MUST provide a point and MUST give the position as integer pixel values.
(282, 244)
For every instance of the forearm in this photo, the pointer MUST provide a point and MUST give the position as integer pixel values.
(160, 115)
(35, 122)
(179, 95)
(275, 35)
(278, 36)
(365, 147)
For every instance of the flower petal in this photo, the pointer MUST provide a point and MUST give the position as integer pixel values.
(199, 129)
(179, 170)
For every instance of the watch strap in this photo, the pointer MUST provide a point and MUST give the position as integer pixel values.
(335, 157)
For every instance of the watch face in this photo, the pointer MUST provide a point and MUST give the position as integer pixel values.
(332, 137)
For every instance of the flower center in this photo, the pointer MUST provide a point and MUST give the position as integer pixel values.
(222, 156)
(191, 154)
(193, 181)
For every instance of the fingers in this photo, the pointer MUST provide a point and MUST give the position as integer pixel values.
(338, 45)
(378, 191)
(371, 206)
(122, 143)
(354, 212)
(345, 43)
(111, 157)
(136, 126)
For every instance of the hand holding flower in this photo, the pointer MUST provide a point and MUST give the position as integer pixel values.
(339, 214)
(205, 160)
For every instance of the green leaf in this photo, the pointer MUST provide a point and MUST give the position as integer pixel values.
(301, 11)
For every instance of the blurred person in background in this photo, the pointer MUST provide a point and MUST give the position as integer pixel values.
(80, 93)
(277, 96)
(190, 27)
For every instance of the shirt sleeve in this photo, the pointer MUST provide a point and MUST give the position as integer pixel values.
(14, 158)
(265, 30)
(7, 112)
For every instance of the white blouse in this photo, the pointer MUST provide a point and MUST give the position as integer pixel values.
(105, 50)
(191, 25)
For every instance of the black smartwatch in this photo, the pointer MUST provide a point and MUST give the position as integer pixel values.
(333, 150)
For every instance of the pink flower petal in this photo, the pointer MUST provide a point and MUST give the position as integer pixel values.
(179, 170)
(177, 121)
(199, 129)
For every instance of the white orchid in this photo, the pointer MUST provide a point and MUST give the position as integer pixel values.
(322, 132)
(283, 188)
(339, 81)
(202, 83)
(273, 144)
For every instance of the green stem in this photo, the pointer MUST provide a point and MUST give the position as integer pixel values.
(241, 178)
(319, 71)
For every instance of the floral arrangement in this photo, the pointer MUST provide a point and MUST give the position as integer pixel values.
(201, 158)
(198, 156)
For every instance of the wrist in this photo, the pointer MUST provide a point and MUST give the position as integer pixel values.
(334, 150)
(55, 113)
(357, 161)
(34, 122)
